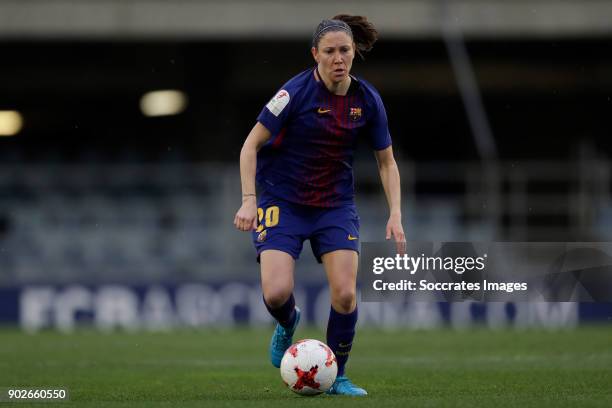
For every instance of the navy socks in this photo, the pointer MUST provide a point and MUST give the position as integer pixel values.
(340, 328)
(340, 334)
(284, 315)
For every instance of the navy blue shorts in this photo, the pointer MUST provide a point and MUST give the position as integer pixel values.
(285, 226)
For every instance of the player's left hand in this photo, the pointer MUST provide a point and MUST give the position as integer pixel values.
(394, 229)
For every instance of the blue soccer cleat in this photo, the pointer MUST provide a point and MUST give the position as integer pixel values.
(281, 340)
(344, 386)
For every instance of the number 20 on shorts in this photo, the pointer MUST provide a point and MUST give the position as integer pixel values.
(271, 217)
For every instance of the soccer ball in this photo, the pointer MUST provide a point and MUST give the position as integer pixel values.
(309, 367)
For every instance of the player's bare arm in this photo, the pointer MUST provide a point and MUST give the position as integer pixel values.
(389, 175)
(246, 217)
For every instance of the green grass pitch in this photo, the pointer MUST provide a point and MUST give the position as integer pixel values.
(441, 368)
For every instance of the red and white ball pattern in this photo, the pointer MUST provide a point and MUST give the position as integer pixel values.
(309, 367)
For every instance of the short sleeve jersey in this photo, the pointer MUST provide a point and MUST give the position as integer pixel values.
(309, 158)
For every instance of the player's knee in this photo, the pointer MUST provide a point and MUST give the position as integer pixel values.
(344, 300)
(276, 297)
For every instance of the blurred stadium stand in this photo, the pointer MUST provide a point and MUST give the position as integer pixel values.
(92, 191)
(172, 222)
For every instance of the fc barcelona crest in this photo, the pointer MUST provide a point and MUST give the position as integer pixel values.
(355, 114)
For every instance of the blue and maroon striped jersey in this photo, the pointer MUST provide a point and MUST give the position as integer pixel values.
(309, 158)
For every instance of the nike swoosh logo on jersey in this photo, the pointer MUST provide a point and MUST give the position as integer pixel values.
(322, 111)
(352, 238)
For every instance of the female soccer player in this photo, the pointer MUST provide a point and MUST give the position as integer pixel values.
(300, 152)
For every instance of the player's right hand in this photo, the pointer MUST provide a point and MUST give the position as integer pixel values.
(246, 217)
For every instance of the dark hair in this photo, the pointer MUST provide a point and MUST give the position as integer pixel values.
(363, 32)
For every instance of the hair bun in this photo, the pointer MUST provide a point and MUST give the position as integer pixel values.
(364, 32)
